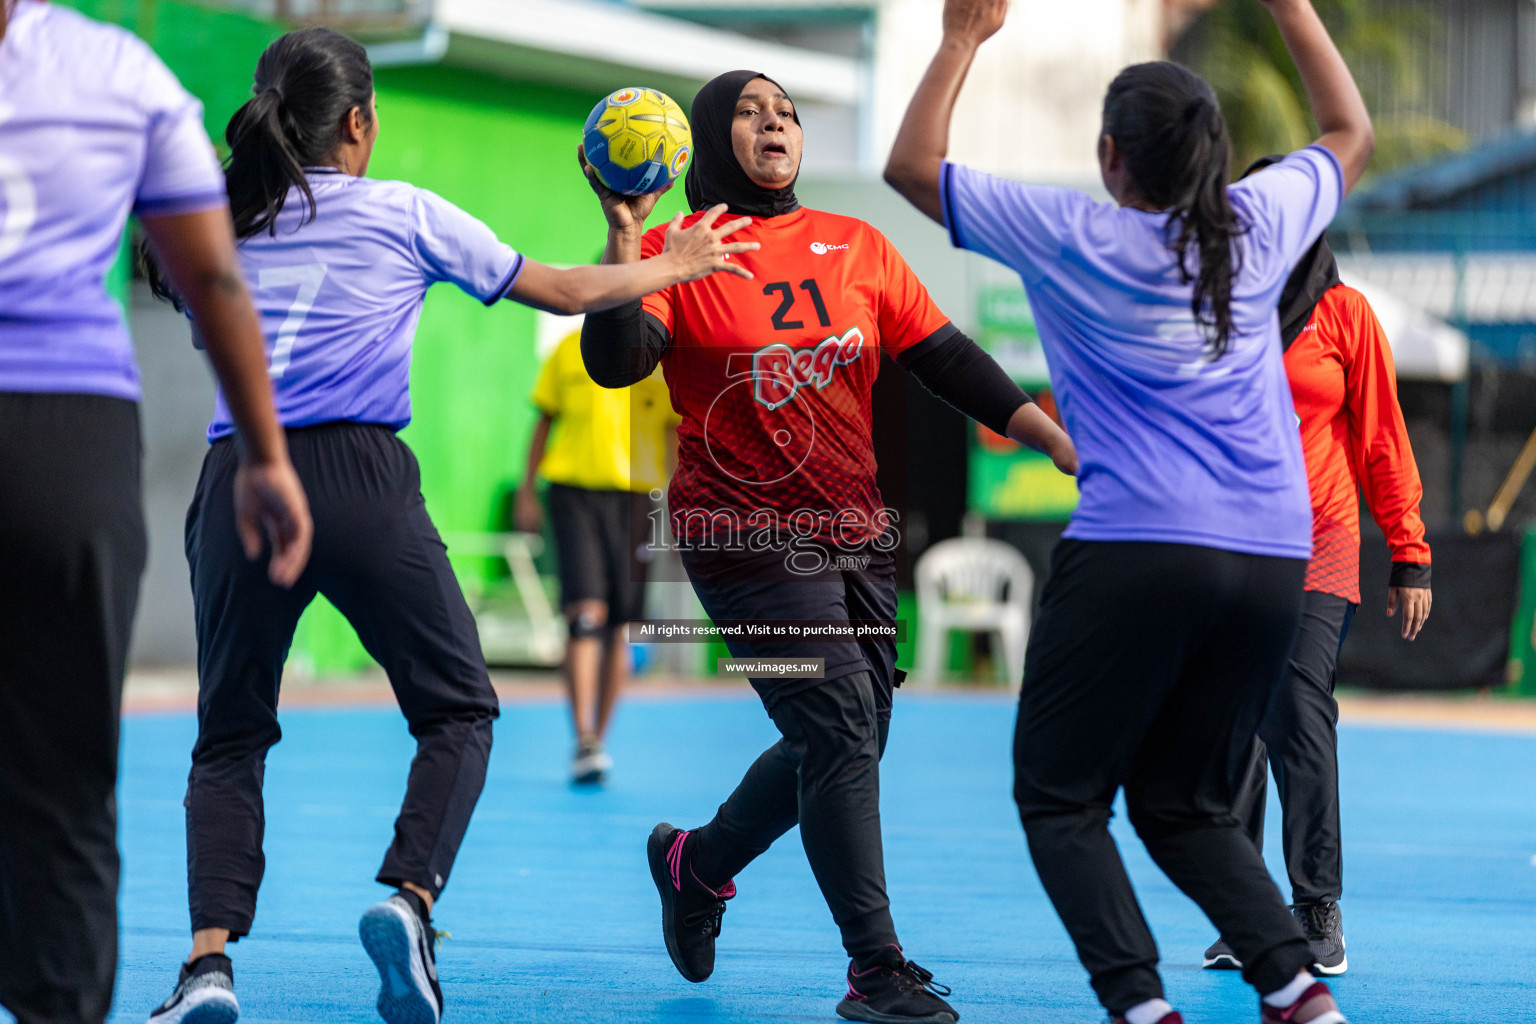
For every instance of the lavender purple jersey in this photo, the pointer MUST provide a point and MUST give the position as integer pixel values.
(92, 125)
(1173, 445)
(340, 296)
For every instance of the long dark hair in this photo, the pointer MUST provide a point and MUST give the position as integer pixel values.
(1167, 126)
(306, 82)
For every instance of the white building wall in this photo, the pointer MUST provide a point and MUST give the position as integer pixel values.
(1031, 105)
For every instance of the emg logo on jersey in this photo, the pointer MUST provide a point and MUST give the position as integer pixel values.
(822, 248)
(778, 370)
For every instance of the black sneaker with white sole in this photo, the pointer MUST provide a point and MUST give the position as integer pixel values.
(205, 994)
(1221, 958)
(1324, 925)
(399, 938)
(887, 988)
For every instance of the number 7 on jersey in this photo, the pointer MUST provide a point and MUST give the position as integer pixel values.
(307, 277)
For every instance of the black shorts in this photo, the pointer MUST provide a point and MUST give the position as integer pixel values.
(755, 585)
(601, 539)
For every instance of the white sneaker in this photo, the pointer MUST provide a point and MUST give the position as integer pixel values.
(591, 764)
(400, 944)
(205, 994)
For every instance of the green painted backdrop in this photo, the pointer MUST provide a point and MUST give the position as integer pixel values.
(505, 152)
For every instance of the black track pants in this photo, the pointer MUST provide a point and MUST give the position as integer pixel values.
(825, 775)
(1149, 667)
(1299, 740)
(379, 560)
(825, 772)
(72, 550)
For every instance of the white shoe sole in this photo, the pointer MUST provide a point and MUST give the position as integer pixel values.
(1334, 972)
(204, 1006)
(1222, 962)
(1331, 972)
(405, 993)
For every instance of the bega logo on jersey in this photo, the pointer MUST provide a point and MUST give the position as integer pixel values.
(778, 371)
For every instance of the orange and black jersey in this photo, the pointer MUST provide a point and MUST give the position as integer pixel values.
(772, 377)
(1344, 386)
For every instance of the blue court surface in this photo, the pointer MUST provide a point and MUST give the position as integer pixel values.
(554, 918)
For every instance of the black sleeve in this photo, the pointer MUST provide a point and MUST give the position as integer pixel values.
(621, 346)
(1409, 574)
(953, 367)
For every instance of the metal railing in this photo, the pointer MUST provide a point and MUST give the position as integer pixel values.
(1474, 269)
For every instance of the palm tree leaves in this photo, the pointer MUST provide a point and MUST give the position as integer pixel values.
(1236, 46)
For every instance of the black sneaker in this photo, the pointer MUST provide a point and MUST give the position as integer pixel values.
(399, 938)
(890, 989)
(690, 910)
(1324, 925)
(205, 994)
(1221, 958)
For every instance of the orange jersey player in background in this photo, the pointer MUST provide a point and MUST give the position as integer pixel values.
(1344, 386)
(778, 517)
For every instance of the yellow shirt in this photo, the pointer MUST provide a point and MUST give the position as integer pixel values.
(603, 439)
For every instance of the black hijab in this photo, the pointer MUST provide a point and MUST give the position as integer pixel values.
(715, 175)
(1309, 282)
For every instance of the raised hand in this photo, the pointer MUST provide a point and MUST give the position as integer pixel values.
(973, 21)
(624, 213)
(1335, 99)
(700, 249)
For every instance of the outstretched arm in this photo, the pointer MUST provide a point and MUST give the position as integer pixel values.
(960, 373)
(624, 277)
(923, 141)
(690, 253)
(1335, 99)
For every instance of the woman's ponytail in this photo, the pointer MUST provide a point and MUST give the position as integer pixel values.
(263, 167)
(1168, 127)
(307, 83)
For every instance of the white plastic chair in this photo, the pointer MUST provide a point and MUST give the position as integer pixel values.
(974, 585)
(530, 632)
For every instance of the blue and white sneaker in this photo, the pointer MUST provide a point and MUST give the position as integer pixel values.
(205, 994)
(399, 939)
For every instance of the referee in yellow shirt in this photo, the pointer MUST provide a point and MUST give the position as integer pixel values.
(601, 451)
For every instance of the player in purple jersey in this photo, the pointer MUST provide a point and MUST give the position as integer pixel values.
(339, 266)
(1173, 598)
(93, 127)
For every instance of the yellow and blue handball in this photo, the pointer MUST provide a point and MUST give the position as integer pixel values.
(638, 141)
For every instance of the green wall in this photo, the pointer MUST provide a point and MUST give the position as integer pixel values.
(213, 51)
(502, 150)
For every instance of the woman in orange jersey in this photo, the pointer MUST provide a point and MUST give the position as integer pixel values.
(1352, 433)
(777, 515)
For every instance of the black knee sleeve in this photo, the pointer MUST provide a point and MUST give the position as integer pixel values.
(587, 626)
